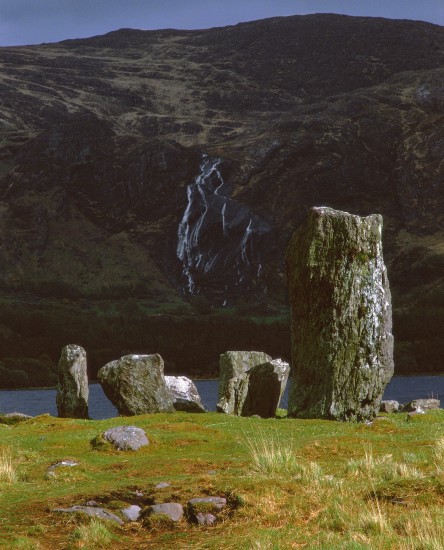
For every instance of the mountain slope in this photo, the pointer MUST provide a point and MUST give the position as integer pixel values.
(154, 165)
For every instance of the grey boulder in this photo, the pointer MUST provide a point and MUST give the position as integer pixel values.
(135, 384)
(389, 406)
(421, 404)
(126, 438)
(185, 394)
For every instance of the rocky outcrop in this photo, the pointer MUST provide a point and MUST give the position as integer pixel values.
(126, 438)
(135, 384)
(185, 394)
(266, 384)
(342, 346)
(233, 378)
(72, 391)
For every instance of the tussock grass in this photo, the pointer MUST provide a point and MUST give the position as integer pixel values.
(8, 471)
(271, 455)
(94, 534)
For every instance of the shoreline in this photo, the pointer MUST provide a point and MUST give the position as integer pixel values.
(95, 382)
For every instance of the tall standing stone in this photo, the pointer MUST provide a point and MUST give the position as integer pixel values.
(135, 384)
(73, 391)
(342, 346)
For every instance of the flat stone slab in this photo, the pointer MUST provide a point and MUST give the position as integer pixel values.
(92, 511)
(126, 438)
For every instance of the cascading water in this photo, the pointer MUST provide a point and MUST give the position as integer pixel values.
(217, 236)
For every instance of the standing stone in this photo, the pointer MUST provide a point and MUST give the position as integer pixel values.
(266, 384)
(185, 394)
(135, 384)
(233, 378)
(342, 346)
(72, 391)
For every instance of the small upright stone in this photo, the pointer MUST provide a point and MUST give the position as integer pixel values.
(266, 384)
(135, 384)
(342, 345)
(72, 391)
(233, 379)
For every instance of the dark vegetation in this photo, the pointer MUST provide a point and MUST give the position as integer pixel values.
(190, 343)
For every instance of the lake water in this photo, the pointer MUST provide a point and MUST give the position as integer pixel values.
(34, 402)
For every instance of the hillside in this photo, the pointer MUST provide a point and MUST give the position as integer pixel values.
(163, 172)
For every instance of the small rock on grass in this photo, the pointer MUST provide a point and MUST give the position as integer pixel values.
(131, 513)
(200, 510)
(162, 515)
(163, 485)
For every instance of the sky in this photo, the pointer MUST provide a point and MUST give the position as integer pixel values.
(37, 21)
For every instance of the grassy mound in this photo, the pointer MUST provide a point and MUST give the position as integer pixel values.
(288, 483)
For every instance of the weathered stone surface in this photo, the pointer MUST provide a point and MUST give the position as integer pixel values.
(126, 438)
(173, 510)
(421, 404)
(135, 384)
(342, 346)
(185, 394)
(266, 384)
(389, 406)
(92, 511)
(72, 391)
(233, 378)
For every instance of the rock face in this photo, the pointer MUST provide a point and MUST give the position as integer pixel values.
(185, 394)
(342, 346)
(266, 384)
(135, 384)
(233, 378)
(73, 391)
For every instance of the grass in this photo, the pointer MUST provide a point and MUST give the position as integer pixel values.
(289, 483)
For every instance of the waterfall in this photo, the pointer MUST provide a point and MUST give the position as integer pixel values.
(216, 234)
